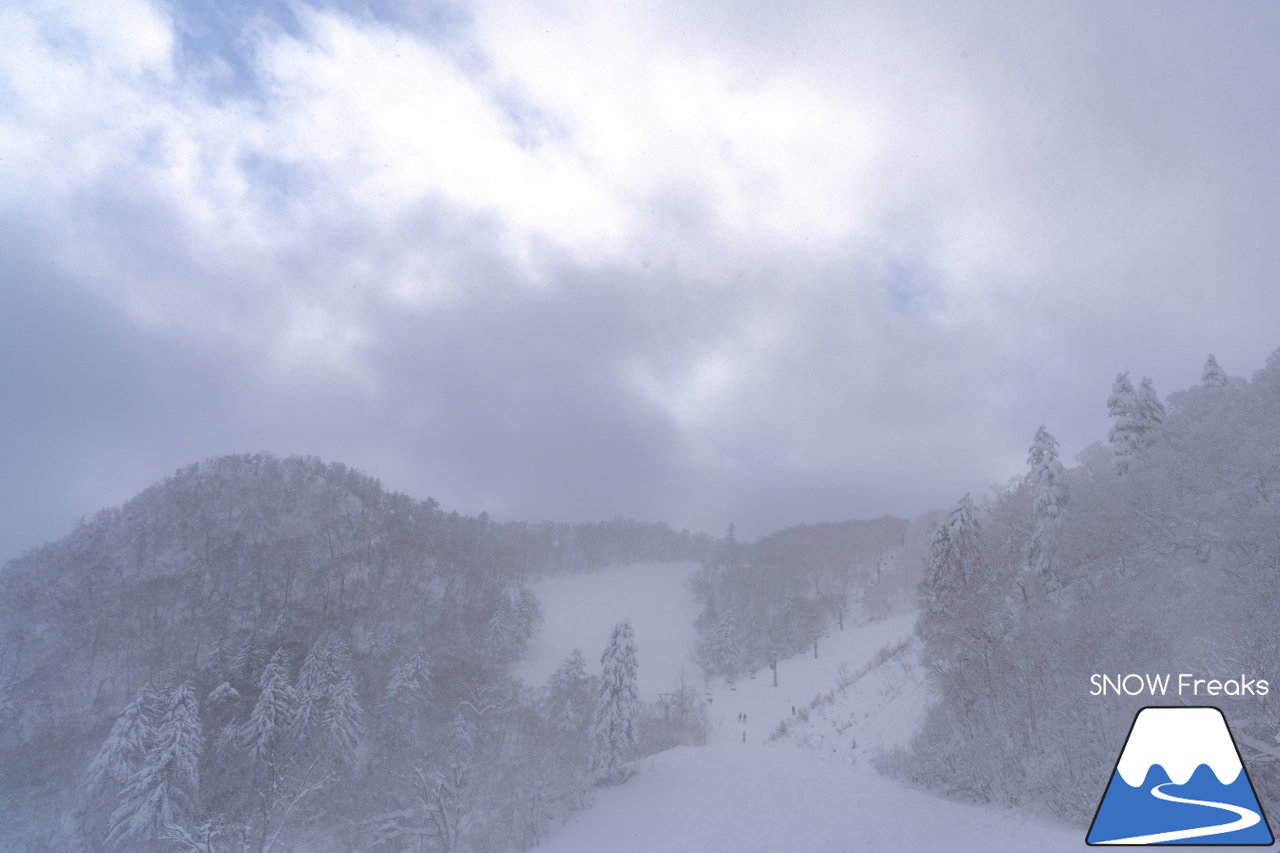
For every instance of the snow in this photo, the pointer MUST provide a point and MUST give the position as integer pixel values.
(810, 790)
(801, 678)
(1179, 740)
(728, 798)
(581, 611)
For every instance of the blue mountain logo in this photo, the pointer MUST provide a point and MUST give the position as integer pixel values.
(1180, 780)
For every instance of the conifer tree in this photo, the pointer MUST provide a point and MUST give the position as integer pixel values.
(949, 592)
(125, 748)
(342, 714)
(725, 649)
(410, 681)
(569, 720)
(1138, 415)
(1049, 498)
(165, 790)
(1150, 409)
(1126, 432)
(504, 634)
(273, 714)
(569, 688)
(328, 716)
(613, 727)
(1213, 375)
(312, 686)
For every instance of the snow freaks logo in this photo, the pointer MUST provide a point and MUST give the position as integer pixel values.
(1179, 780)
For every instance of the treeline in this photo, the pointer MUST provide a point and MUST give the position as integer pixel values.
(770, 598)
(1158, 552)
(259, 652)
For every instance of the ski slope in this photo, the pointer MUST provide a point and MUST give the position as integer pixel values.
(811, 789)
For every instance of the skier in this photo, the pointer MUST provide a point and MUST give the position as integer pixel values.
(744, 735)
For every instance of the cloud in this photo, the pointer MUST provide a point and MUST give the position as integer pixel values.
(787, 264)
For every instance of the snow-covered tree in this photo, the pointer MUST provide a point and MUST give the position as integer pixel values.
(954, 557)
(410, 681)
(328, 713)
(249, 658)
(569, 720)
(1138, 413)
(504, 634)
(613, 728)
(165, 790)
(1213, 375)
(125, 748)
(342, 715)
(721, 650)
(223, 693)
(569, 690)
(313, 685)
(274, 712)
(530, 613)
(1049, 497)
(950, 593)
(1150, 407)
(1125, 433)
(444, 795)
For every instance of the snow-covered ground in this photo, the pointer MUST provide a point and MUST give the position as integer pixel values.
(811, 789)
(884, 704)
(582, 609)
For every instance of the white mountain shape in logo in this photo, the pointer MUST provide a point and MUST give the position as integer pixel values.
(1179, 740)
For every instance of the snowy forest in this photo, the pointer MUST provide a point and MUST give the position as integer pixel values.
(777, 595)
(259, 651)
(1158, 551)
(265, 654)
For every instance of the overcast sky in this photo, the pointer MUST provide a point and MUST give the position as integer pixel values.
(765, 263)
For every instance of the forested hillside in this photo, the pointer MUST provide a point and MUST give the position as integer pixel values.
(1159, 552)
(769, 598)
(259, 650)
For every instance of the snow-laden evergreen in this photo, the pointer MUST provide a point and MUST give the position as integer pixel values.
(223, 693)
(410, 681)
(312, 686)
(1151, 408)
(165, 789)
(613, 726)
(342, 719)
(1047, 479)
(274, 713)
(1126, 431)
(954, 563)
(720, 651)
(1138, 415)
(125, 748)
(328, 716)
(1213, 376)
(569, 693)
